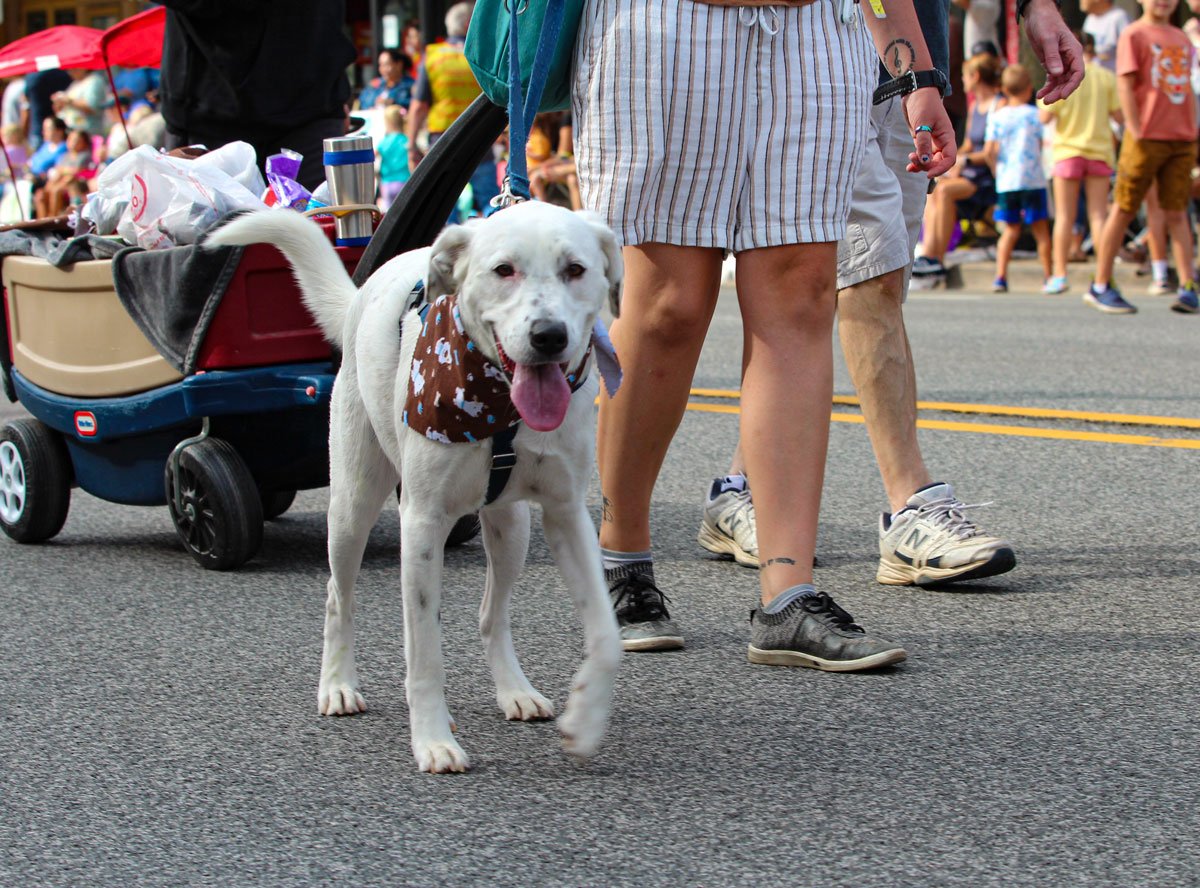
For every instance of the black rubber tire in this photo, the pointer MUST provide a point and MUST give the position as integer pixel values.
(275, 502)
(465, 528)
(222, 523)
(35, 481)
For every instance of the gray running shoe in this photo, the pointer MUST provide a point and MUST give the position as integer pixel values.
(813, 631)
(932, 541)
(728, 526)
(641, 609)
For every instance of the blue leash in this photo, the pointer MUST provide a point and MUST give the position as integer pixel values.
(521, 114)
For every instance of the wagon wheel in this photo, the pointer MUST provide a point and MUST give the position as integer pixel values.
(221, 520)
(35, 481)
(275, 502)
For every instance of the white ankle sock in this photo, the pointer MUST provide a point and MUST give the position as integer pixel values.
(787, 596)
(1158, 268)
(612, 559)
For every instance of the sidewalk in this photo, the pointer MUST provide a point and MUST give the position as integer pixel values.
(973, 270)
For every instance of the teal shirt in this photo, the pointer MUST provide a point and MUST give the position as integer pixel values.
(393, 158)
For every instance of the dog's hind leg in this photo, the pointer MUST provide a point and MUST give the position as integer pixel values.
(572, 539)
(361, 479)
(422, 544)
(506, 541)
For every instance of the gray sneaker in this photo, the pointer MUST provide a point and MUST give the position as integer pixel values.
(641, 609)
(728, 527)
(813, 631)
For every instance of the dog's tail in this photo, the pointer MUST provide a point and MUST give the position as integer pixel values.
(324, 284)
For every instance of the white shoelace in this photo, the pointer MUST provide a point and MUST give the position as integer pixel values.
(948, 514)
(756, 16)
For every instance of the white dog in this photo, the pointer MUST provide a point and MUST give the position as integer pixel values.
(530, 282)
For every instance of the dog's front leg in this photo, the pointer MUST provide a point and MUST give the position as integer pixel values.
(572, 538)
(506, 541)
(422, 547)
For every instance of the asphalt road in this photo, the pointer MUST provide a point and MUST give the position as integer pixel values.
(158, 723)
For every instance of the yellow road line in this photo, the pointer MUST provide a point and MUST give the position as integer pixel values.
(989, 429)
(999, 410)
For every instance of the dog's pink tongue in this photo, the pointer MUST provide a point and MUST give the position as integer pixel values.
(541, 395)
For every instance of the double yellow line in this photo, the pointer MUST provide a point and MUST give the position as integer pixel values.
(1128, 419)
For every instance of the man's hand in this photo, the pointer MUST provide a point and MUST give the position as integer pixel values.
(1056, 48)
(935, 151)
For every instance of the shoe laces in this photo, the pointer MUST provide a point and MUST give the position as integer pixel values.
(639, 599)
(948, 515)
(821, 605)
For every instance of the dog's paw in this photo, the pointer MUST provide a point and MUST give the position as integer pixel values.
(340, 699)
(524, 705)
(582, 726)
(440, 757)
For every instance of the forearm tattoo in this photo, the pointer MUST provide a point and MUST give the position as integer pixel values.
(771, 561)
(899, 57)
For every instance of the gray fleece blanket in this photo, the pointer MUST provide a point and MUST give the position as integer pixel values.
(173, 294)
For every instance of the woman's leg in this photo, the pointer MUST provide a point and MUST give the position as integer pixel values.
(1066, 202)
(788, 297)
(945, 196)
(1095, 194)
(1041, 235)
(669, 298)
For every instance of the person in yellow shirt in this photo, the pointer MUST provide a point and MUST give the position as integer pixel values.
(1084, 153)
(445, 88)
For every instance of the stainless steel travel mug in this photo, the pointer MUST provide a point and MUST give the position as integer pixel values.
(350, 172)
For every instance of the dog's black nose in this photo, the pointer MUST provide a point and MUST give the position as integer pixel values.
(548, 337)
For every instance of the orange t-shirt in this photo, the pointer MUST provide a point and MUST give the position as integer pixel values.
(1160, 58)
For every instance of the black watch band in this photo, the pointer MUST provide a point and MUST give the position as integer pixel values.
(910, 82)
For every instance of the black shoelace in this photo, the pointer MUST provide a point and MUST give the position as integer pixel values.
(821, 605)
(638, 600)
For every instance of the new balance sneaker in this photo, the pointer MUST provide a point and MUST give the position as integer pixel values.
(1055, 285)
(813, 631)
(932, 541)
(1109, 300)
(641, 609)
(728, 527)
(1186, 301)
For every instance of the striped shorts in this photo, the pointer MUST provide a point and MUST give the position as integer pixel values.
(715, 126)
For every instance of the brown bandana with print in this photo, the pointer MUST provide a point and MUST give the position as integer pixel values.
(455, 394)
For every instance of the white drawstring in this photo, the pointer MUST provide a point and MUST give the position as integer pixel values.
(758, 16)
(848, 13)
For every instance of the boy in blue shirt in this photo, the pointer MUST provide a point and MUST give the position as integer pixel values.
(1014, 148)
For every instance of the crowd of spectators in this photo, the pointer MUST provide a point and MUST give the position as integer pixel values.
(61, 128)
(1069, 153)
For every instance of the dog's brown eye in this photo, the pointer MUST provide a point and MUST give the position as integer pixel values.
(504, 270)
(575, 270)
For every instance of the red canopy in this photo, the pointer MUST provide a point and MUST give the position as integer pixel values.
(135, 42)
(64, 46)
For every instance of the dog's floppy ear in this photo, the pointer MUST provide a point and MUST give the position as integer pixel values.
(445, 261)
(615, 265)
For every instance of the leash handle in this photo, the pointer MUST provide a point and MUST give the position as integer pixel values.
(521, 110)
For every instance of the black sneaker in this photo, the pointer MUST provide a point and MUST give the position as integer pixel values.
(641, 609)
(813, 631)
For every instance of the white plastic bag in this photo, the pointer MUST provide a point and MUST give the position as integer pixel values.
(156, 201)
